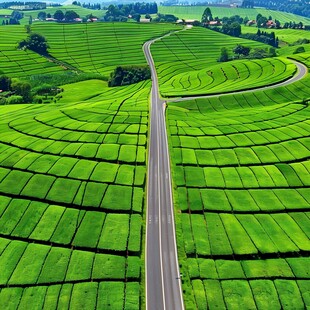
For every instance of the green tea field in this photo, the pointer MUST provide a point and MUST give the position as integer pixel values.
(241, 175)
(74, 177)
(186, 68)
(195, 12)
(100, 47)
(72, 183)
(18, 63)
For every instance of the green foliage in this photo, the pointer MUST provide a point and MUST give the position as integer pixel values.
(122, 12)
(129, 75)
(58, 79)
(262, 36)
(224, 55)
(42, 15)
(299, 49)
(70, 16)
(168, 18)
(207, 15)
(36, 43)
(14, 99)
(59, 15)
(23, 89)
(5, 82)
(242, 50)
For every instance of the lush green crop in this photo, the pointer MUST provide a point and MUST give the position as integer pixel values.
(100, 47)
(18, 63)
(195, 12)
(241, 172)
(187, 68)
(72, 180)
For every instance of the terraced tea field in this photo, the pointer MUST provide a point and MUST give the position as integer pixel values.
(195, 12)
(186, 68)
(241, 175)
(17, 63)
(73, 175)
(72, 180)
(100, 47)
(232, 76)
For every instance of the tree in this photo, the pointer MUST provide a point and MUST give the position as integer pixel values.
(206, 16)
(235, 29)
(128, 75)
(272, 52)
(299, 49)
(71, 15)
(30, 20)
(137, 17)
(224, 55)
(17, 15)
(42, 15)
(59, 15)
(262, 21)
(242, 50)
(247, 4)
(5, 82)
(36, 43)
(23, 89)
(258, 16)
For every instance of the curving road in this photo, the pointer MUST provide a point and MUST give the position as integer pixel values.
(163, 283)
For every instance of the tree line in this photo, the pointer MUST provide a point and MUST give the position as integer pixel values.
(125, 75)
(299, 7)
(34, 5)
(121, 12)
(245, 52)
(232, 26)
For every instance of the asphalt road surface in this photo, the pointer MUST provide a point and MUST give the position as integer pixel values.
(163, 280)
(163, 283)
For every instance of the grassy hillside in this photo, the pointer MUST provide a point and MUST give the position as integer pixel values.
(240, 171)
(195, 12)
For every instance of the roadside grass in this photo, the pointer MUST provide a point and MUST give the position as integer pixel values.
(240, 167)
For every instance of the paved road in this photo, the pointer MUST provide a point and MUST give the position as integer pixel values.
(163, 284)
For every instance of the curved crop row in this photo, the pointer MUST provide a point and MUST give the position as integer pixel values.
(241, 172)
